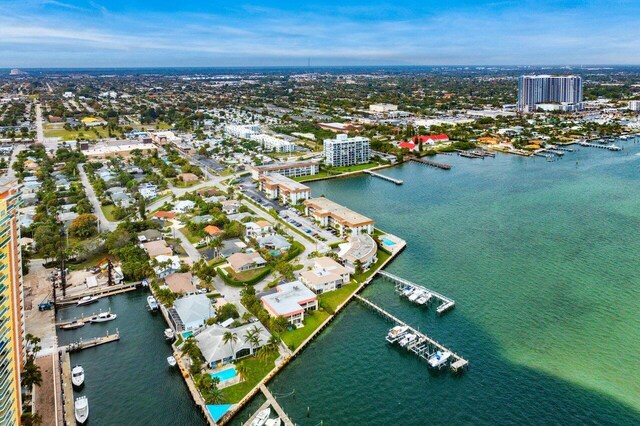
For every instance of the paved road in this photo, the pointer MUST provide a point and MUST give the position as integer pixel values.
(193, 253)
(103, 223)
(14, 154)
(39, 129)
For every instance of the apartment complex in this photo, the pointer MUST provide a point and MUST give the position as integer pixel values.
(12, 327)
(330, 214)
(290, 170)
(549, 89)
(252, 132)
(278, 187)
(634, 106)
(345, 151)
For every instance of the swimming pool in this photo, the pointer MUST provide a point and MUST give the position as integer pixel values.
(274, 253)
(387, 242)
(186, 334)
(223, 375)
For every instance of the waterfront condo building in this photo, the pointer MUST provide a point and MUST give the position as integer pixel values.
(11, 305)
(288, 191)
(330, 214)
(565, 90)
(345, 151)
(290, 170)
(634, 106)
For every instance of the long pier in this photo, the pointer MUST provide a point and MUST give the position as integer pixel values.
(92, 343)
(431, 163)
(608, 147)
(67, 389)
(84, 320)
(98, 292)
(271, 401)
(424, 345)
(381, 176)
(445, 303)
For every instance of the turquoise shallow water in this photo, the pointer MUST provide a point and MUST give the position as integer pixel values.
(542, 260)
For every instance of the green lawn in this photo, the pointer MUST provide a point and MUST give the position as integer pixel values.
(90, 261)
(382, 257)
(333, 299)
(108, 212)
(256, 370)
(246, 275)
(56, 130)
(294, 338)
(318, 176)
(355, 168)
(192, 238)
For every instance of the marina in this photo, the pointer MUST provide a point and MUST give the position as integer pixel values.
(411, 290)
(80, 321)
(416, 342)
(431, 163)
(96, 294)
(611, 147)
(92, 343)
(270, 402)
(381, 176)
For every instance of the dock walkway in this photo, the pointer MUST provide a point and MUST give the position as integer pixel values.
(98, 292)
(609, 147)
(424, 345)
(92, 343)
(381, 176)
(445, 303)
(431, 163)
(67, 389)
(271, 401)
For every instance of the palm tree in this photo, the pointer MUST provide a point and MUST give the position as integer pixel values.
(249, 337)
(242, 371)
(214, 396)
(229, 337)
(255, 336)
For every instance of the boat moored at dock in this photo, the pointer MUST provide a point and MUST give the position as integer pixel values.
(81, 409)
(103, 317)
(439, 359)
(396, 333)
(87, 300)
(152, 303)
(171, 361)
(169, 334)
(77, 376)
(262, 417)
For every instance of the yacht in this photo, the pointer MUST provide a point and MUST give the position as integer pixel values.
(415, 295)
(81, 409)
(408, 339)
(87, 300)
(273, 422)
(396, 332)
(169, 334)
(171, 361)
(424, 298)
(407, 291)
(73, 325)
(438, 359)
(152, 303)
(103, 317)
(77, 376)
(262, 417)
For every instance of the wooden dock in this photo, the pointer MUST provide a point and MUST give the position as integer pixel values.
(424, 345)
(84, 320)
(445, 303)
(67, 389)
(271, 401)
(104, 291)
(92, 343)
(431, 163)
(608, 147)
(381, 176)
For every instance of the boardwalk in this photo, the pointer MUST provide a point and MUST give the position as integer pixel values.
(445, 303)
(92, 343)
(102, 291)
(424, 346)
(431, 163)
(381, 176)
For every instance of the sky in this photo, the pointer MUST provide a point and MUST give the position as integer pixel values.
(162, 33)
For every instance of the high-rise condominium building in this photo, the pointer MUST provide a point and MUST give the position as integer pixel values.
(345, 151)
(11, 305)
(554, 89)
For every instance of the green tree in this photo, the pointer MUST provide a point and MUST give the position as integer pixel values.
(232, 338)
(84, 226)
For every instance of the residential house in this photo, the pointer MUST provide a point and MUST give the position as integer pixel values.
(230, 206)
(183, 206)
(291, 301)
(257, 229)
(181, 283)
(326, 275)
(157, 248)
(218, 352)
(167, 265)
(241, 262)
(360, 249)
(274, 242)
(191, 312)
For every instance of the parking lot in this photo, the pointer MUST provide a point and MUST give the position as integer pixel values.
(250, 190)
(292, 216)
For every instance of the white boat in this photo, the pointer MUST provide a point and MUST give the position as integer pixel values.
(438, 359)
(407, 291)
(72, 325)
(169, 334)
(396, 332)
(262, 417)
(424, 298)
(273, 422)
(408, 339)
(77, 376)
(152, 303)
(81, 409)
(171, 361)
(415, 295)
(103, 317)
(87, 300)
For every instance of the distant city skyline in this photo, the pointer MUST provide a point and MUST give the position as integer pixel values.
(79, 33)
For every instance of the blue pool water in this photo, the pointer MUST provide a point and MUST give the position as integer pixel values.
(217, 411)
(274, 253)
(223, 375)
(186, 334)
(387, 242)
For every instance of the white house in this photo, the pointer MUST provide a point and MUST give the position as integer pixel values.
(257, 229)
(193, 312)
(183, 206)
(326, 275)
(291, 301)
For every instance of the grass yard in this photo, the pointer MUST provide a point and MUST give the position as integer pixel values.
(256, 370)
(294, 338)
(333, 299)
(193, 239)
(108, 212)
(57, 130)
(354, 168)
(382, 257)
(244, 276)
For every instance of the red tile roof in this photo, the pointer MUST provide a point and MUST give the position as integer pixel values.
(407, 145)
(425, 138)
(164, 215)
(212, 230)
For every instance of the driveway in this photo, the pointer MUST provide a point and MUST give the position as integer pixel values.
(103, 223)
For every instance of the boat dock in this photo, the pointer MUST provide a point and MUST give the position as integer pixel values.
(104, 291)
(431, 163)
(271, 401)
(83, 320)
(424, 346)
(381, 176)
(67, 389)
(92, 343)
(445, 303)
(609, 147)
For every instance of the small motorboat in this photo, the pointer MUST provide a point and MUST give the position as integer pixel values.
(72, 325)
(415, 295)
(396, 332)
(77, 376)
(152, 303)
(103, 317)
(81, 409)
(262, 417)
(423, 298)
(169, 334)
(273, 422)
(171, 361)
(408, 339)
(407, 291)
(87, 300)
(438, 359)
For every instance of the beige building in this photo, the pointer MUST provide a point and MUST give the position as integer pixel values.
(326, 275)
(330, 214)
(290, 170)
(124, 151)
(240, 262)
(279, 187)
